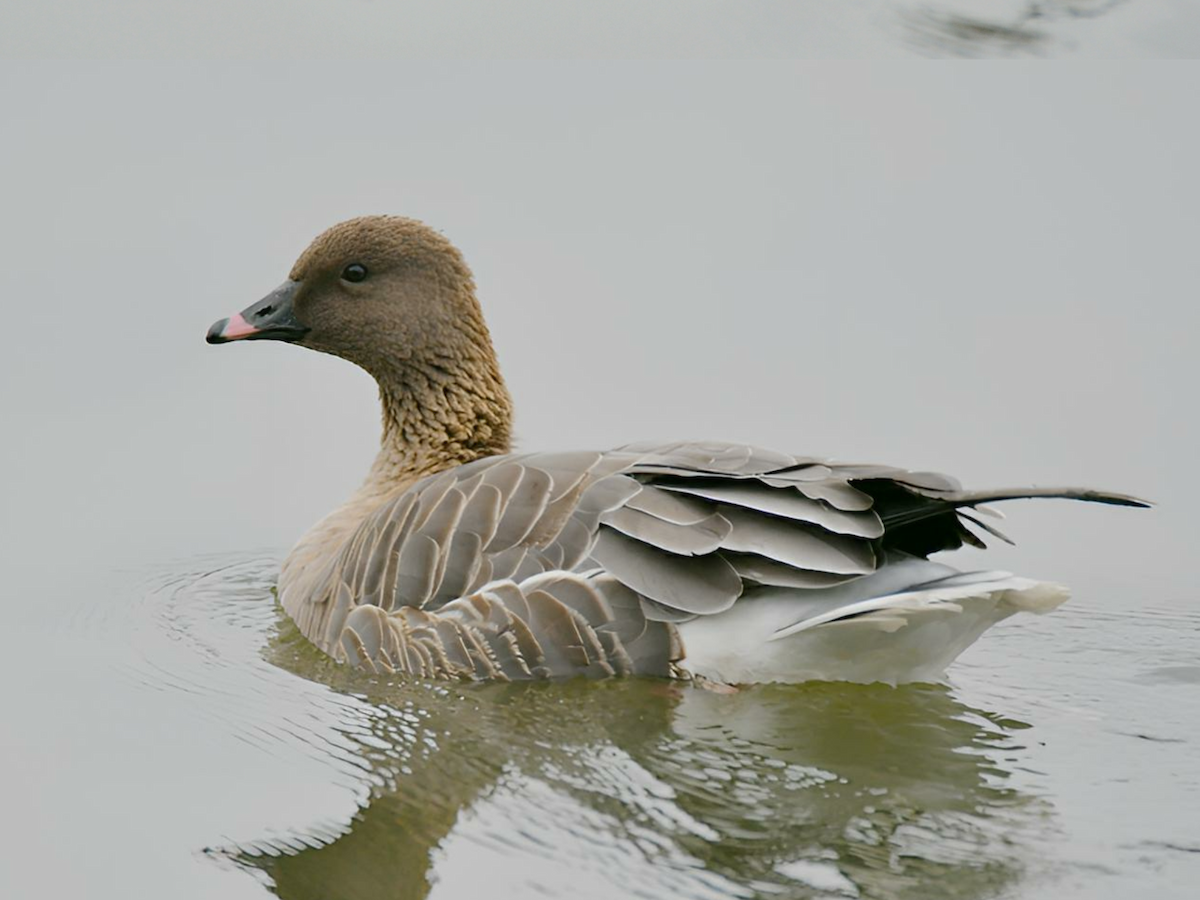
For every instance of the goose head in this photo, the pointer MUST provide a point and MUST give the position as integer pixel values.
(396, 298)
(376, 290)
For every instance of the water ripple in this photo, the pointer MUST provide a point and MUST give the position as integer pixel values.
(643, 788)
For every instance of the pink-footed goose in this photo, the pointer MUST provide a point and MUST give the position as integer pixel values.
(459, 559)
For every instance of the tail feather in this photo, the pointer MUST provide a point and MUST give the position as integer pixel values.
(990, 529)
(921, 520)
(1088, 495)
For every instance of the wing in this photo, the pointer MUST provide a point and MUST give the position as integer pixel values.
(561, 563)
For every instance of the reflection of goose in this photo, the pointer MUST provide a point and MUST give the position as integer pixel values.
(458, 559)
(900, 789)
(641, 789)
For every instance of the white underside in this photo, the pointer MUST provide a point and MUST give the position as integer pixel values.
(909, 621)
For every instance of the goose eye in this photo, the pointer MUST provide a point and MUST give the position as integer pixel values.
(354, 272)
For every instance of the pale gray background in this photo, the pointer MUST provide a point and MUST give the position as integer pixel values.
(570, 29)
(989, 271)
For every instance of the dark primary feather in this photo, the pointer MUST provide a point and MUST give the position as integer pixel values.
(551, 564)
(921, 519)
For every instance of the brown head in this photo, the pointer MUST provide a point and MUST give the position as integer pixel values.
(393, 296)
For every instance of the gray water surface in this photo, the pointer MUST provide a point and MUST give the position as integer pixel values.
(218, 753)
(623, 29)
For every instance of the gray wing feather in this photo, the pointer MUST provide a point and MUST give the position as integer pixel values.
(401, 518)
(550, 626)
(608, 494)
(522, 509)
(796, 545)
(575, 539)
(506, 562)
(416, 569)
(668, 553)
(931, 481)
(838, 494)
(462, 562)
(483, 574)
(531, 564)
(813, 471)
(482, 515)
(701, 584)
(787, 503)
(430, 496)
(761, 570)
(669, 506)
(696, 539)
(566, 470)
(661, 612)
(543, 565)
(440, 528)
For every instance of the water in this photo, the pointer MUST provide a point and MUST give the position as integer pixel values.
(227, 757)
(889, 264)
(623, 29)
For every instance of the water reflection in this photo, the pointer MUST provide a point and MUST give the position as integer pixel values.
(659, 790)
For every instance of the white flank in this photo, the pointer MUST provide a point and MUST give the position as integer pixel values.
(905, 623)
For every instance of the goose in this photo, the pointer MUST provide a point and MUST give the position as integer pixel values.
(715, 562)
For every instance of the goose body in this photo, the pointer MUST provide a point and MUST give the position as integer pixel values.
(460, 559)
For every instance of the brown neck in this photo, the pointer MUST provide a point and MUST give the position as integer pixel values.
(437, 416)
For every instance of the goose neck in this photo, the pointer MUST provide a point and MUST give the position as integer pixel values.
(437, 416)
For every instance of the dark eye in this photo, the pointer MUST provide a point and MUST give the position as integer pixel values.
(354, 272)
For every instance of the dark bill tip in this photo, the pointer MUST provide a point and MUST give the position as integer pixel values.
(215, 335)
(215, 330)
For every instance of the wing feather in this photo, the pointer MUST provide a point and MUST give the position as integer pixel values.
(761, 570)
(416, 570)
(837, 493)
(787, 503)
(522, 508)
(670, 506)
(696, 539)
(699, 584)
(796, 545)
(541, 565)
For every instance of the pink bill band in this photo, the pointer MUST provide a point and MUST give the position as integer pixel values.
(237, 327)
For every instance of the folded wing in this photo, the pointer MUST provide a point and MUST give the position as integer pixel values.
(484, 563)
